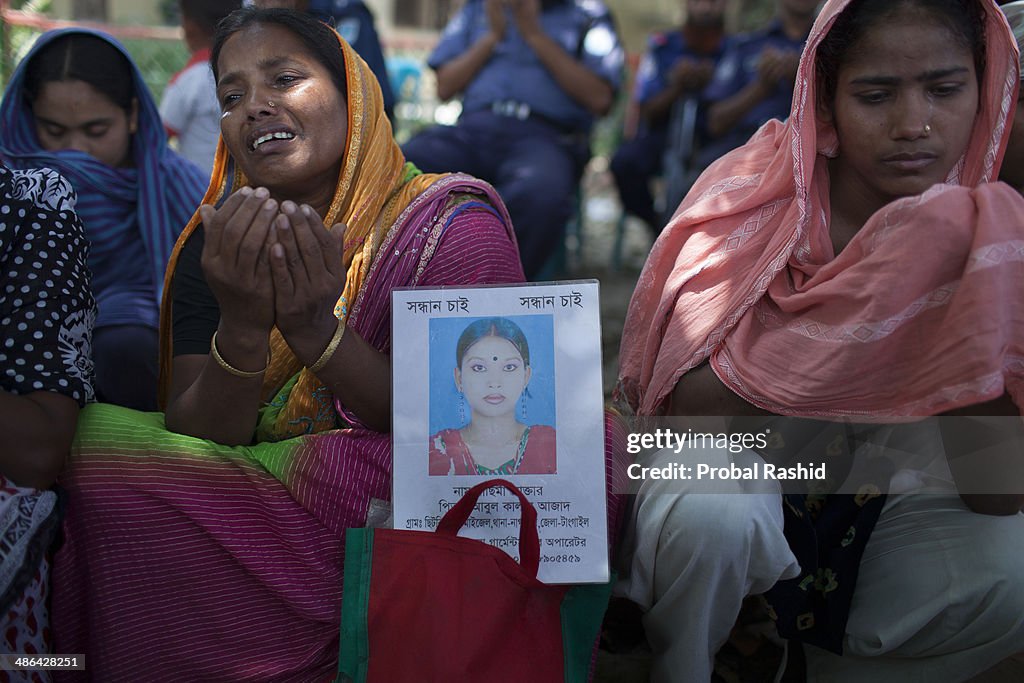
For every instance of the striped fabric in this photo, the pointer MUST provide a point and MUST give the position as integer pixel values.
(189, 561)
(132, 216)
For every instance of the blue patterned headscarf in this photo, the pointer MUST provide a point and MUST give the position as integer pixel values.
(132, 216)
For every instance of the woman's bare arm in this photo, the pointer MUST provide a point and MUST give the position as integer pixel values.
(206, 399)
(700, 392)
(38, 429)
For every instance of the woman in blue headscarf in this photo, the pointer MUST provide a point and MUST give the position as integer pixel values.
(78, 104)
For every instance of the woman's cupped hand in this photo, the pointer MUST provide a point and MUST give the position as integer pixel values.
(309, 276)
(270, 263)
(236, 258)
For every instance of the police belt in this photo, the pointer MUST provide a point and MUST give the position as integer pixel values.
(523, 112)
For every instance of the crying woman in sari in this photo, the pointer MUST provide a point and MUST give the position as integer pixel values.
(211, 547)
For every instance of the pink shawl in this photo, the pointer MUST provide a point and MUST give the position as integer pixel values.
(921, 313)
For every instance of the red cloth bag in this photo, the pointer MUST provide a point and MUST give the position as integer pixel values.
(422, 606)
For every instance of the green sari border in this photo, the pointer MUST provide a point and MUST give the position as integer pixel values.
(354, 646)
(582, 612)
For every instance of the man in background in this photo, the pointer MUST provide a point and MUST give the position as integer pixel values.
(533, 75)
(678, 65)
(755, 77)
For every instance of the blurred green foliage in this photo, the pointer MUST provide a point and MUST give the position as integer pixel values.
(158, 60)
(753, 14)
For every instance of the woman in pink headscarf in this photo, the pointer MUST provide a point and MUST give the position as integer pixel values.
(855, 262)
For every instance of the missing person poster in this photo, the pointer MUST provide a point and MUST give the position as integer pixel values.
(503, 382)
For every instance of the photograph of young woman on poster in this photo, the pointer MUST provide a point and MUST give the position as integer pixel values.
(492, 376)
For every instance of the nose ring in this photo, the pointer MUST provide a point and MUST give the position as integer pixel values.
(927, 128)
(270, 103)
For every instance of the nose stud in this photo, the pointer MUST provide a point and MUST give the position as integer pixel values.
(270, 103)
(927, 128)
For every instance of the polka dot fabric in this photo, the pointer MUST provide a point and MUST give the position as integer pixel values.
(46, 319)
(46, 308)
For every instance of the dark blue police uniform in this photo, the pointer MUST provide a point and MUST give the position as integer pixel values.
(518, 129)
(354, 22)
(737, 69)
(638, 160)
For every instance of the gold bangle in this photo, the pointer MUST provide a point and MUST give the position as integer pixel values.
(332, 346)
(230, 368)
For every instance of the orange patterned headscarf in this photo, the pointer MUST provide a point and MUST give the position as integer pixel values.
(374, 187)
(919, 314)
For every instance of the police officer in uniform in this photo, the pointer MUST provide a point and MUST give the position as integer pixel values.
(755, 77)
(678, 64)
(533, 75)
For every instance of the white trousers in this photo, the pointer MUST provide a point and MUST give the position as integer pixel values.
(939, 596)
